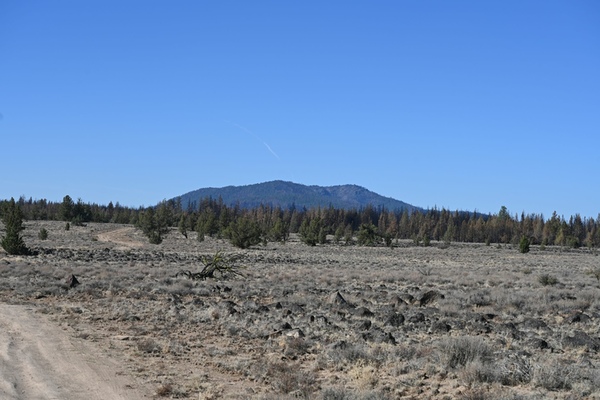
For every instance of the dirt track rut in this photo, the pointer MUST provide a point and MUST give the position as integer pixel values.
(38, 360)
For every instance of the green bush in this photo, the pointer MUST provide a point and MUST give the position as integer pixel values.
(547, 280)
(43, 234)
(524, 245)
(426, 240)
(573, 242)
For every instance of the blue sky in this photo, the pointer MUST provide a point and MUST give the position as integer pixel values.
(457, 104)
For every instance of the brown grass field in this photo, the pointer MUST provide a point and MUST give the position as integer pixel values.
(465, 321)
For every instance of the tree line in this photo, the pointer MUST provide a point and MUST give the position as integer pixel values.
(365, 226)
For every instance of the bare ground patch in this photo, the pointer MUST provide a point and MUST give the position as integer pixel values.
(40, 360)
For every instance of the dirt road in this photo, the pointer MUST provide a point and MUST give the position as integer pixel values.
(121, 237)
(38, 360)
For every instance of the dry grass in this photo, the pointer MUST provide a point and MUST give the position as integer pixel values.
(459, 321)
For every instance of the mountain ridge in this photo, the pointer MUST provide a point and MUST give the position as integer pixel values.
(287, 194)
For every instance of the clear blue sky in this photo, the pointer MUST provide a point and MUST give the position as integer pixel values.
(457, 104)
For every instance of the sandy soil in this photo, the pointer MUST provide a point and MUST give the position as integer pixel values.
(42, 361)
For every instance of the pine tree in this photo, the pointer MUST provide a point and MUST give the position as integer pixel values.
(67, 209)
(12, 217)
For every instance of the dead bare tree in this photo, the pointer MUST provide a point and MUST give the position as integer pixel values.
(217, 264)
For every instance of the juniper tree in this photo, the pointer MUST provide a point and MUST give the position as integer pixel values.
(155, 223)
(524, 245)
(183, 225)
(12, 217)
(309, 231)
(280, 232)
(244, 232)
(367, 234)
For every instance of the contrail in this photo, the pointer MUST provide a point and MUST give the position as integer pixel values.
(255, 136)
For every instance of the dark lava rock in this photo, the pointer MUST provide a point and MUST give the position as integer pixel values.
(285, 326)
(395, 320)
(416, 318)
(439, 327)
(197, 302)
(403, 299)
(337, 298)
(578, 317)
(341, 345)
(477, 327)
(509, 329)
(377, 335)
(363, 312)
(319, 320)
(534, 323)
(429, 297)
(72, 281)
(538, 343)
(582, 339)
(288, 307)
(365, 325)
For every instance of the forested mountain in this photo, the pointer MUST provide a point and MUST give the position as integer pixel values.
(288, 194)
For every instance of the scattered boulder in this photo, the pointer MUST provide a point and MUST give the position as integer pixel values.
(509, 329)
(395, 320)
(319, 320)
(377, 335)
(534, 323)
(363, 312)
(295, 333)
(440, 327)
(262, 309)
(403, 299)
(72, 281)
(337, 299)
(429, 297)
(582, 339)
(285, 326)
(578, 317)
(365, 325)
(480, 328)
(417, 318)
(538, 343)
